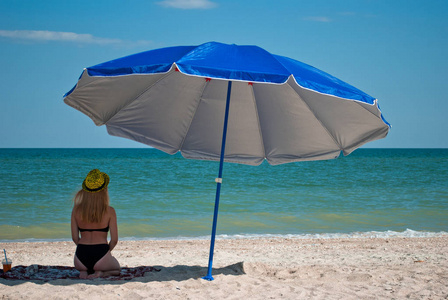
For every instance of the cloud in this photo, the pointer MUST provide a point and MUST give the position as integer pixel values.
(318, 19)
(188, 4)
(44, 36)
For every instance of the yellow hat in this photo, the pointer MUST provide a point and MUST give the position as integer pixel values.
(95, 181)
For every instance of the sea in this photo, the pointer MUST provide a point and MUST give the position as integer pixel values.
(369, 193)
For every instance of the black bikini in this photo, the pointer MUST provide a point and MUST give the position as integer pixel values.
(89, 255)
(90, 230)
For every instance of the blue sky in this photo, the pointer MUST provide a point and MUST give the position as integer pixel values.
(396, 51)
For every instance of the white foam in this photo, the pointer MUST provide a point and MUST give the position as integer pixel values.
(408, 233)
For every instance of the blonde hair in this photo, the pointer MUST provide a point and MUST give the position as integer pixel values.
(91, 206)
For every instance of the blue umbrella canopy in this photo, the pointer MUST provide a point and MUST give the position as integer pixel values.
(282, 110)
(231, 103)
(239, 63)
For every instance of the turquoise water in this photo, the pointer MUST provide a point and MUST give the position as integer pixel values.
(161, 196)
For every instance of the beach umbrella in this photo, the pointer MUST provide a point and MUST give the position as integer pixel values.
(228, 103)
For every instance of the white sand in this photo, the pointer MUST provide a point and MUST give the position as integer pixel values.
(394, 268)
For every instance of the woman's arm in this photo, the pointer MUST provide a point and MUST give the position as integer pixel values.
(113, 229)
(74, 227)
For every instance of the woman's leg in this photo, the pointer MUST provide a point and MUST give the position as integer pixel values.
(106, 266)
(80, 267)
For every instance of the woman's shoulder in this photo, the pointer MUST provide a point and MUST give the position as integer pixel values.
(111, 210)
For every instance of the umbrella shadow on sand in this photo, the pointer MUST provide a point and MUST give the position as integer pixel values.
(184, 272)
(62, 275)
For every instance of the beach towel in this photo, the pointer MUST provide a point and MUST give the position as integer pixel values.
(47, 273)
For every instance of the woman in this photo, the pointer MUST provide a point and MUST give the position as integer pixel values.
(93, 218)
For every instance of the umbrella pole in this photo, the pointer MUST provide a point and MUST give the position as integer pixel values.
(218, 185)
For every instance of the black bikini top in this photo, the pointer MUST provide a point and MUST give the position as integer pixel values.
(90, 230)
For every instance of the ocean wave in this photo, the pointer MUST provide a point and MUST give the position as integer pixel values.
(408, 233)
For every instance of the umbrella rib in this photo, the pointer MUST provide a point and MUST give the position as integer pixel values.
(374, 133)
(371, 112)
(258, 120)
(318, 120)
(139, 95)
(195, 109)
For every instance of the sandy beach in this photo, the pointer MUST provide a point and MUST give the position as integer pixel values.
(268, 268)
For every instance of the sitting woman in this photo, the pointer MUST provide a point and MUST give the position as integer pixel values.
(93, 218)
